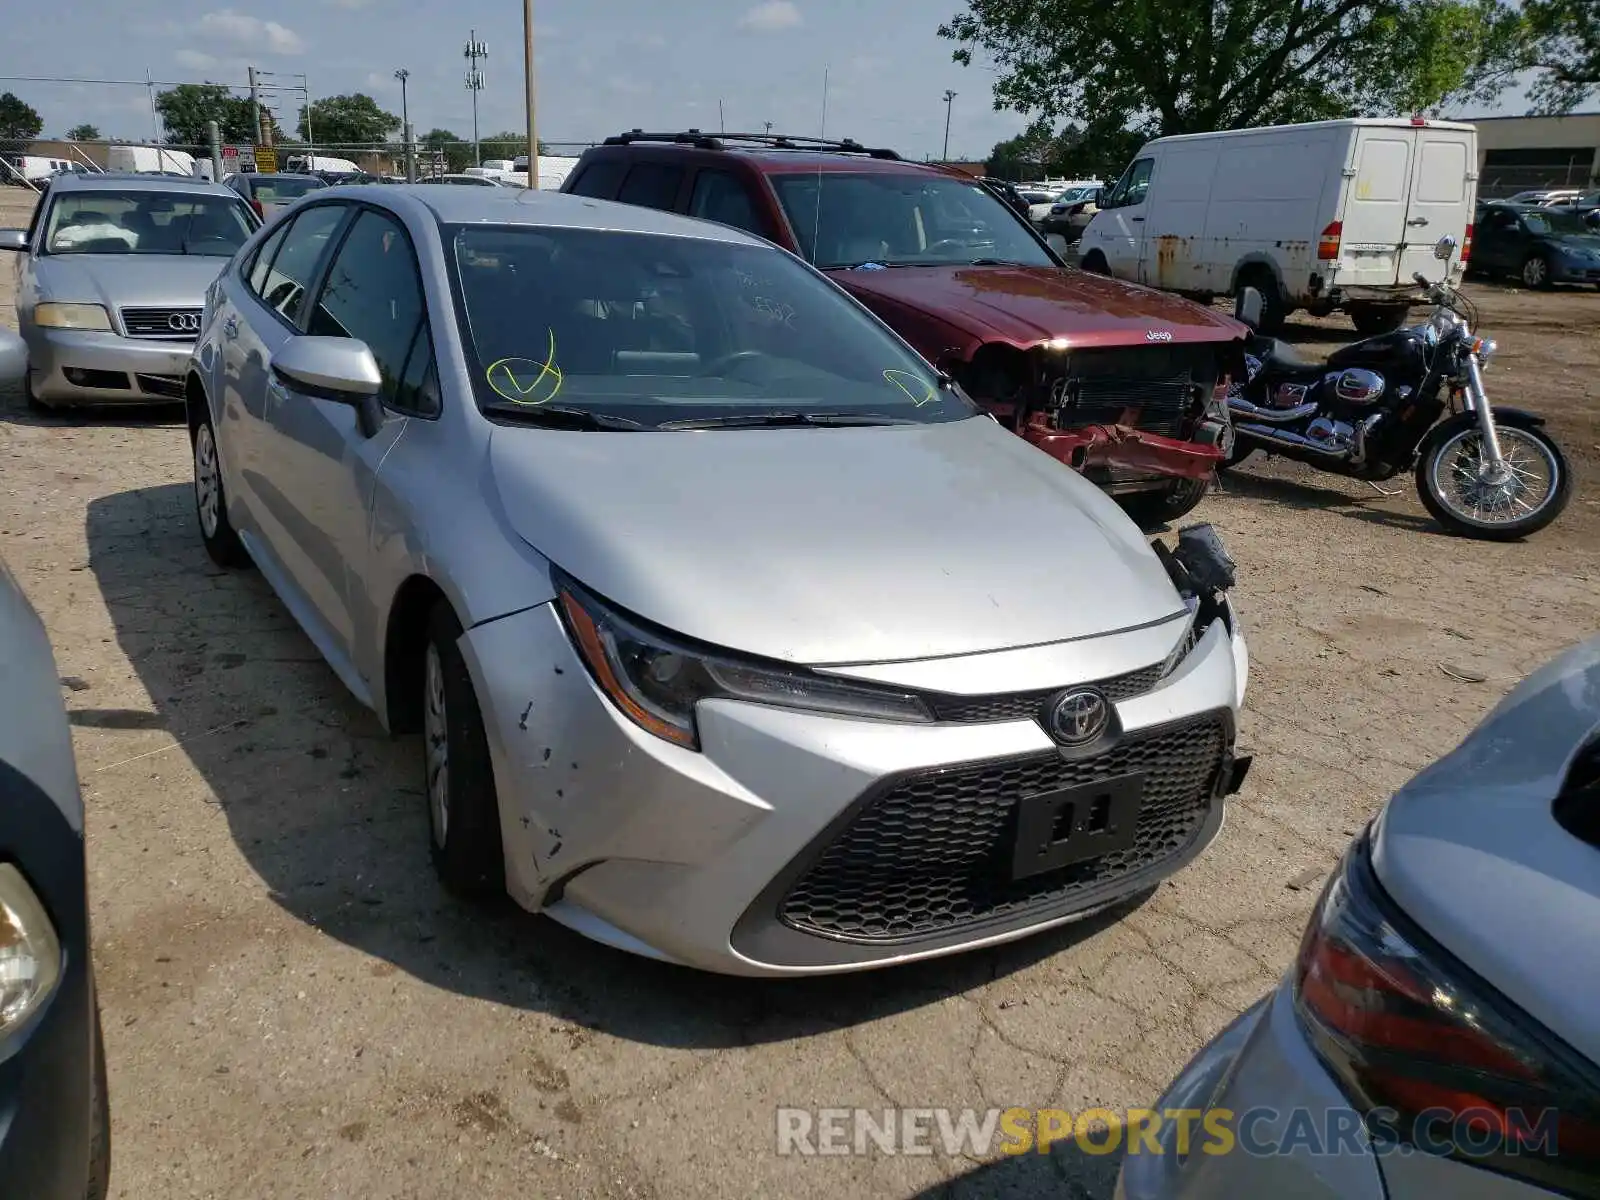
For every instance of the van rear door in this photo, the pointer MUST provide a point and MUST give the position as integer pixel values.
(1376, 209)
(1442, 194)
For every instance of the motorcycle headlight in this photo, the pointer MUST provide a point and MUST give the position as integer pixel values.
(30, 952)
(657, 680)
(91, 317)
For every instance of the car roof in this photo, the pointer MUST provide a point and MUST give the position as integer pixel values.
(137, 181)
(773, 154)
(503, 206)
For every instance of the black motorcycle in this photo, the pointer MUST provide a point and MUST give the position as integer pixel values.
(1373, 410)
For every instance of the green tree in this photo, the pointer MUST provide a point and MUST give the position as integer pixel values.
(354, 120)
(84, 133)
(19, 123)
(1558, 42)
(1152, 67)
(457, 153)
(508, 144)
(187, 109)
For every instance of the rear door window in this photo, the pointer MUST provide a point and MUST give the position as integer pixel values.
(721, 196)
(599, 180)
(653, 185)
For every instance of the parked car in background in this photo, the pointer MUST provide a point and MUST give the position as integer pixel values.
(1539, 246)
(1437, 1034)
(461, 180)
(1069, 214)
(319, 164)
(267, 193)
(1544, 196)
(553, 169)
(149, 160)
(702, 587)
(1586, 208)
(1008, 192)
(1323, 216)
(1120, 382)
(111, 277)
(55, 1127)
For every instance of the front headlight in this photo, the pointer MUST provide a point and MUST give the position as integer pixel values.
(30, 952)
(657, 680)
(72, 316)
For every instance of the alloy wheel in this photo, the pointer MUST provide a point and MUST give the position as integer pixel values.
(207, 481)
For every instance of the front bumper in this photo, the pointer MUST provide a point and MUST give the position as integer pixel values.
(70, 366)
(1571, 270)
(1119, 456)
(697, 857)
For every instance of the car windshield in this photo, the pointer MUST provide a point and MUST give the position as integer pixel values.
(650, 331)
(1073, 195)
(284, 187)
(1552, 221)
(146, 222)
(903, 219)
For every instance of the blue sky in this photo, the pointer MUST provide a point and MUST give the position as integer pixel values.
(602, 66)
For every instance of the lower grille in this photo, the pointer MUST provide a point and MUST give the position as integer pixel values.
(169, 386)
(1018, 706)
(934, 850)
(179, 324)
(1163, 385)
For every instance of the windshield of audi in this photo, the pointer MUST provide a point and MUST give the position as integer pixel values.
(146, 222)
(609, 330)
(895, 219)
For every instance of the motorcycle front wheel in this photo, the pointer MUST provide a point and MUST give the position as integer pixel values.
(1466, 495)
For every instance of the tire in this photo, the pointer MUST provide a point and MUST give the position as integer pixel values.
(1535, 272)
(32, 397)
(1242, 449)
(100, 1116)
(1274, 310)
(463, 808)
(1151, 510)
(1458, 433)
(210, 501)
(1095, 263)
(1373, 319)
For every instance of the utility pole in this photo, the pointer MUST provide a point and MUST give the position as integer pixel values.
(527, 68)
(311, 140)
(405, 126)
(474, 51)
(768, 124)
(949, 98)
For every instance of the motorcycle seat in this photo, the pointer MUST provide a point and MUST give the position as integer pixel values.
(1279, 356)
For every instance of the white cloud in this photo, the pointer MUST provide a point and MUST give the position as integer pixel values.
(196, 60)
(251, 33)
(772, 16)
(351, 3)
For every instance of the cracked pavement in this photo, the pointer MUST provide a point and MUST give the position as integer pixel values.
(293, 1008)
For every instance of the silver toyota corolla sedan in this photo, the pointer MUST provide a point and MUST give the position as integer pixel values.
(1439, 1035)
(736, 635)
(111, 276)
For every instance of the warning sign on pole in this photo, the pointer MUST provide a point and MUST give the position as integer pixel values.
(266, 160)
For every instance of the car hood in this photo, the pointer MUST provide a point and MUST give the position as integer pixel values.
(1027, 305)
(119, 280)
(834, 546)
(1472, 851)
(1575, 241)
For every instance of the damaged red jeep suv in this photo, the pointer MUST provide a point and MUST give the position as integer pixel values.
(1126, 384)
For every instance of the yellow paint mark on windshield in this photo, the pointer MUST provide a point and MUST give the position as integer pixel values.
(527, 381)
(919, 391)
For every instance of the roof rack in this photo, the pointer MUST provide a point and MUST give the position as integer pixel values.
(773, 141)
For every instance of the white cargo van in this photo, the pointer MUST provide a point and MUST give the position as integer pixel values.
(1322, 216)
(149, 158)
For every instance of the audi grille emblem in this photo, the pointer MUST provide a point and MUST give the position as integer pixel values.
(1062, 392)
(183, 322)
(1158, 335)
(1079, 717)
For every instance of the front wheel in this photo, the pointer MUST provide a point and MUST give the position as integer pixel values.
(1153, 509)
(1536, 272)
(1468, 495)
(211, 504)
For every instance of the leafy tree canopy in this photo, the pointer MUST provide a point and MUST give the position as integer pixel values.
(186, 109)
(20, 123)
(352, 120)
(84, 133)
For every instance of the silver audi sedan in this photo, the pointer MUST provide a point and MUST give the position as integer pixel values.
(111, 276)
(736, 635)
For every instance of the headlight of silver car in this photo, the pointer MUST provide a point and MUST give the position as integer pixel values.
(90, 317)
(30, 952)
(656, 680)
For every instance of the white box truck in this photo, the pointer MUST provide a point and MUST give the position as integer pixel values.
(1322, 216)
(149, 158)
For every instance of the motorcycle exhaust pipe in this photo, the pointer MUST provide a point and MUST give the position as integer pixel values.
(1273, 416)
(1282, 437)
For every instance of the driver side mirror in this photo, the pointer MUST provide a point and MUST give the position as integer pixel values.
(339, 370)
(1247, 308)
(13, 239)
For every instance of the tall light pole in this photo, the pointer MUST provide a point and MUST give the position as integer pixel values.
(527, 70)
(949, 98)
(405, 125)
(474, 51)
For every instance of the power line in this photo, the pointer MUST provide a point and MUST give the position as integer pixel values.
(239, 87)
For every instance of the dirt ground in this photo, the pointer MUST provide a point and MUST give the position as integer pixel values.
(294, 1009)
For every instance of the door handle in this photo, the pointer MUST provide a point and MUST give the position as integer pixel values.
(1136, 218)
(1417, 221)
(230, 327)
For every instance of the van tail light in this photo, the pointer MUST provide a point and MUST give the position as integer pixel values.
(1466, 246)
(1328, 243)
(1433, 1056)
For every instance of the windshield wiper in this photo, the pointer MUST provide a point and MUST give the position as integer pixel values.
(773, 420)
(560, 417)
(996, 262)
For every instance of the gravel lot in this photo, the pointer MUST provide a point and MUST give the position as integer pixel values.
(293, 1008)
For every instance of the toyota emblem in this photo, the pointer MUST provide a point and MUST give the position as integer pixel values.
(1079, 716)
(183, 322)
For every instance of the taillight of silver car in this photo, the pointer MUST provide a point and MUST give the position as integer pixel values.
(1435, 1057)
